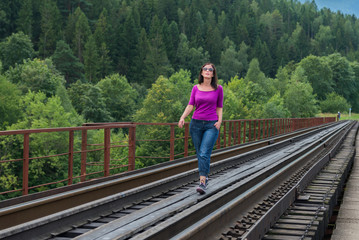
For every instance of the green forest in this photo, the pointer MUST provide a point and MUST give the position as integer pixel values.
(101, 58)
(67, 62)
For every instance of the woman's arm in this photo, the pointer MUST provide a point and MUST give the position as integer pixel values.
(219, 113)
(186, 112)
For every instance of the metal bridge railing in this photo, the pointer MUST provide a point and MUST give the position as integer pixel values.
(138, 143)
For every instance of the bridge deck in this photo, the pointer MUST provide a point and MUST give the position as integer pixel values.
(347, 223)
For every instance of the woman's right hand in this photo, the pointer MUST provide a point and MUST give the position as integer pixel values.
(181, 123)
(187, 111)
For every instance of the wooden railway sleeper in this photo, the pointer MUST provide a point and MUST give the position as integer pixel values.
(278, 193)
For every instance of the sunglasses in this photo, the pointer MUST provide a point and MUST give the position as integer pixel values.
(208, 69)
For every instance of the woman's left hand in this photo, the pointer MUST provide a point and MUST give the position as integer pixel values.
(218, 125)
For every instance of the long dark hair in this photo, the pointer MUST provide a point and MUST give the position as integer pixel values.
(214, 80)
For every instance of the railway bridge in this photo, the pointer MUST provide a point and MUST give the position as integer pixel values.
(270, 179)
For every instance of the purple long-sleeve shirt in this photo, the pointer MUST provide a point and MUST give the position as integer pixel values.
(206, 103)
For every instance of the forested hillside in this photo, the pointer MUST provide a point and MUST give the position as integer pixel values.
(108, 53)
(66, 62)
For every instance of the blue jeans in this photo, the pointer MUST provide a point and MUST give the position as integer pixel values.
(204, 135)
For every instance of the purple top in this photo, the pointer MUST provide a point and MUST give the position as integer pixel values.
(206, 103)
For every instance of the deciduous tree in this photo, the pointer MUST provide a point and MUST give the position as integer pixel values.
(15, 49)
(334, 103)
(36, 75)
(10, 111)
(298, 97)
(119, 97)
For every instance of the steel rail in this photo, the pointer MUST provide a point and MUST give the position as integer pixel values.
(229, 213)
(201, 221)
(315, 200)
(23, 209)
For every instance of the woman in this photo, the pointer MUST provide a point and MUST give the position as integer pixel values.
(207, 98)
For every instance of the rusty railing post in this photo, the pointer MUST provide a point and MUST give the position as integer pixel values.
(264, 128)
(186, 134)
(239, 131)
(71, 158)
(254, 130)
(131, 148)
(172, 143)
(244, 131)
(83, 155)
(25, 164)
(234, 132)
(230, 134)
(250, 130)
(219, 139)
(259, 129)
(224, 134)
(107, 149)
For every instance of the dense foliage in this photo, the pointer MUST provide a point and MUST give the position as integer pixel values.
(67, 62)
(141, 40)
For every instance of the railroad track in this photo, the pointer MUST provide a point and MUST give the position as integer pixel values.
(311, 215)
(23, 209)
(240, 170)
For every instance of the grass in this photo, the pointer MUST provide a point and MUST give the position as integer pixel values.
(343, 116)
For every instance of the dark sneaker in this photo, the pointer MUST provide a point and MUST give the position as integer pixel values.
(202, 187)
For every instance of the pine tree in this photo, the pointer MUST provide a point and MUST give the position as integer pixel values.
(91, 58)
(82, 32)
(129, 40)
(9, 10)
(67, 63)
(101, 39)
(50, 27)
(214, 44)
(101, 29)
(174, 37)
(243, 59)
(140, 66)
(167, 40)
(69, 30)
(25, 19)
(104, 61)
(156, 60)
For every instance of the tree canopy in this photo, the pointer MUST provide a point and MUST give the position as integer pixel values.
(66, 62)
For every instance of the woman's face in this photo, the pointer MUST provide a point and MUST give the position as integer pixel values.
(207, 71)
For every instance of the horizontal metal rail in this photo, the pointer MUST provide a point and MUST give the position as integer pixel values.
(202, 219)
(259, 229)
(232, 132)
